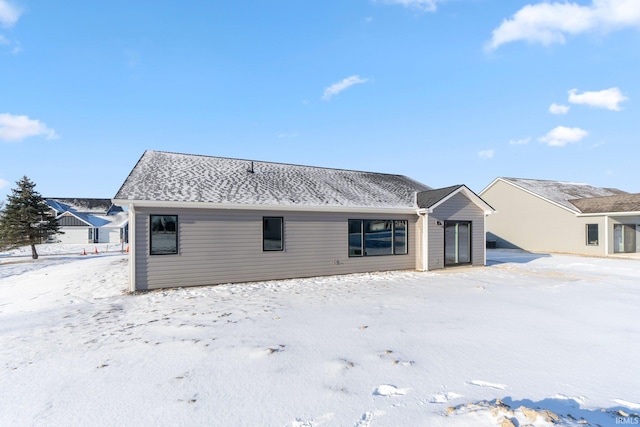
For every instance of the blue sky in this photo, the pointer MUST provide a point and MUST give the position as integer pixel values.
(446, 92)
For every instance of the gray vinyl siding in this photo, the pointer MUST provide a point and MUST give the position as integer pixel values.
(225, 246)
(457, 208)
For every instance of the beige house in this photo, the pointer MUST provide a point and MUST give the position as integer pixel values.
(201, 220)
(554, 216)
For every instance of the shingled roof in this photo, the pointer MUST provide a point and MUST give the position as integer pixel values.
(610, 204)
(174, 177)
(563, 192)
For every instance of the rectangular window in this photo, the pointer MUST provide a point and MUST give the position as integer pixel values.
(272, 234)
(355, 237)
(164, 234)
(373, 237)
(592, 234)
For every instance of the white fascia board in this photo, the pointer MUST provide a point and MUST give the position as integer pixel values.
(637, 213)
(490, 185)
(533, 194)
(473, 197)
(241, 206)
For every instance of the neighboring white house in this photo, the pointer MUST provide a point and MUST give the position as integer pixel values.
(556, 216)
(89, 220)
(202, 220)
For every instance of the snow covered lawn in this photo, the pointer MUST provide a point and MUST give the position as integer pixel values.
(555, 333)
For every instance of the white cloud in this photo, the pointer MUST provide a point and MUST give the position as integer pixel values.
(338, 87)
(9, 13)
(548, 23)
(561, 136)
(3, 183)
(608, 98)
(288, 135)
(424, 5)
(521, 141)
(486, 154)
(558, 109)
(17, 128)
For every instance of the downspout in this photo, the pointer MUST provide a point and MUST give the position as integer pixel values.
(132, 251)
(485, 239)
(424, 217)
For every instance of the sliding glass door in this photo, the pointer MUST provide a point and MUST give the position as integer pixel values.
(457, 242)
(624, 238)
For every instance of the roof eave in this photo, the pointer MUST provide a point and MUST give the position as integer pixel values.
(265, 207)
(631, 213)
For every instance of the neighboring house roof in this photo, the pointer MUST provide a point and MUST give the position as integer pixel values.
(91, 220)
(88, 205)
(174, 177)
(609, 204)
(559, 192)
(93, 212)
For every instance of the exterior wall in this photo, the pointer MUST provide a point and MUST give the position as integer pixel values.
(80, 235)
(457, 208)
(73, 235)
(527, 222)
(224, 246)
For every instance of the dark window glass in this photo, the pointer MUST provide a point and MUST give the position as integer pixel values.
(272, 236)
(378, 237)
(592, 234)
(400, 237)
(355, 237)
(164, 234)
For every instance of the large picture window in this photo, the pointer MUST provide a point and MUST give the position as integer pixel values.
(592, 234)
(164, 234)
(373, 237)
(272, 234)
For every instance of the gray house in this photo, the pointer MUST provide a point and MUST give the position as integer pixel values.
(202, 220)
(556, 216)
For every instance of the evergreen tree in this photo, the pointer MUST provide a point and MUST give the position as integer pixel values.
(26, 218)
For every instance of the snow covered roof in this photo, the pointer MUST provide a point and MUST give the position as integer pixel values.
(561, 192)
(174, 177)
(618, 203)
(93, 212)
(87, 205)
(92, 220)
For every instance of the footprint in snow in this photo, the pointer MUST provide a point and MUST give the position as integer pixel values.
(444, 397)
(389, 390)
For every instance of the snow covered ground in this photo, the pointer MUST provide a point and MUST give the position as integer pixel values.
(526, 339)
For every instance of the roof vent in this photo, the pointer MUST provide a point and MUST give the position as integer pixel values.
(250, 170)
